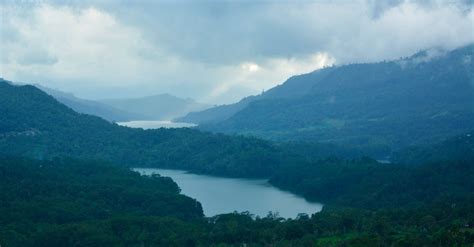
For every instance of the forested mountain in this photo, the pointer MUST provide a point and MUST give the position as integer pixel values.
(91, 107)
(378, 107)
(157, 107)
(33, 124)
(57, 201)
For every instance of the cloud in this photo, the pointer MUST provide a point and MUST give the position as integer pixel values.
(236, 31)
(83, 48)
(36, 56)
(250, 67)
(407, 29)
(254, 78)
(217, 52)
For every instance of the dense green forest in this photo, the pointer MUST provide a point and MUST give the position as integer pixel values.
(457, 147)
(48, 199)
(378, 107)
(368, 184)
(41, 202)
(67, 202)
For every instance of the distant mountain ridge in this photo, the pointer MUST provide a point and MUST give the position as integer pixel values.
(224, 112)
(381, 107)
(157, 107)
(90, 106)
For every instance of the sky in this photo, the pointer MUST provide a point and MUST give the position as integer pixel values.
(213, 51)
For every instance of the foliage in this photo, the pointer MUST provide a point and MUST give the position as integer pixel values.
(49, 200)
(457, 147)
(377, 107)
(73, 203)
(33, 124)
(368, 184)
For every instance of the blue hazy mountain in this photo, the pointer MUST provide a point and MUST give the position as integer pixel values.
(382, 106)
(90, 106)
(157, 107)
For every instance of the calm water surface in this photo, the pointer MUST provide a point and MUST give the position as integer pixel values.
(225, 195)
(155, 124)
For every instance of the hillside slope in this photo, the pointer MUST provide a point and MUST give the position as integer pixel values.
(33, 124)
(289, 89)
(376, 106)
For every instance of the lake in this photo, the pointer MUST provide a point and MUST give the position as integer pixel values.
(155, 124)
(226, 195)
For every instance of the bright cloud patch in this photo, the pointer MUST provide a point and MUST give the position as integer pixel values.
(61, 45)
(250, 67)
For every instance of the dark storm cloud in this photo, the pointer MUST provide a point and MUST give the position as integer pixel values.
(219, 32)
(217, 50)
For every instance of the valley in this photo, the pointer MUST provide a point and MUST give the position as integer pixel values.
(236, 123)
(392, 202)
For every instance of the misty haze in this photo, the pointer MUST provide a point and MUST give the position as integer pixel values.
(236, 123)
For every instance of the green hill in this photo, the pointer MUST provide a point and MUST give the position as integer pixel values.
(33, 124)
(378, 107)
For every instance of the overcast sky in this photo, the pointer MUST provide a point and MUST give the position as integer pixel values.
(214, 51)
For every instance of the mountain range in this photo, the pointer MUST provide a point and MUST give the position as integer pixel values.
(90, 106)
(379, 107)
(48, 199)
(156, 107)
